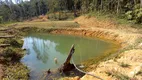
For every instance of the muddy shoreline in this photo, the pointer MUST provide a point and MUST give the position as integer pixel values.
(121, 40)
(104, 36)
(108, 69)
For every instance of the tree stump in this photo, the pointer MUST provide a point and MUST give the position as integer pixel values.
(67, 66)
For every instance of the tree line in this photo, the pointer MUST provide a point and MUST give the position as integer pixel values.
(19, 10)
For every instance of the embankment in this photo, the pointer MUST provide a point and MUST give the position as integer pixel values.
(121, 66)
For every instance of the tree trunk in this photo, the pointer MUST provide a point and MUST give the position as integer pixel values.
(67, 66)
(141, 3)
(4, 45)
(66, 69)
(7, 36)
(118, 4)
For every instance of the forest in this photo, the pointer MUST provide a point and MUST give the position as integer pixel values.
(36, 38)
(19, 10)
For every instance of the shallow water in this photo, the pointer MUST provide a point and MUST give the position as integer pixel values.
(43, 48)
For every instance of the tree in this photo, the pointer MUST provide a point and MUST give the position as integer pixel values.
(141, 3)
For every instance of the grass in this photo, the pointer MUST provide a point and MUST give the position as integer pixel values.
(16, 71)
(10, 58)
(63, 16)
(117, 75)
(118, 19)
(139, 73)
(124, 65)
(66, 24)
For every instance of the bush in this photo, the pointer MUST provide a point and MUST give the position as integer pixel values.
(13, 43)
(124, 65)
(11, 55)
(129, 15)
(135, 14)
(1, 19)
(8, 52)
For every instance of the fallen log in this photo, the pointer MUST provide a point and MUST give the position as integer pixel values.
(67, 66)
(10, 36)
(4, 45)
(66, 69)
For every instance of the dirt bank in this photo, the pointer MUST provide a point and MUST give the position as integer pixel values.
(119, 67)
(127, 65)
(11, 54)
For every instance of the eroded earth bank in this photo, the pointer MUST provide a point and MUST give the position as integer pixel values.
(125, 65)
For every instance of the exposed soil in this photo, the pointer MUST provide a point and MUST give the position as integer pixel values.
(110, 69)
(127, 64)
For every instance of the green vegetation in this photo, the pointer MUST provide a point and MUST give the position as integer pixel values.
(11, 55)
(135, 14)
(139, 73)
(118, 75)
(16, 71)
(64, 9)
(124, 65)
(51, 24)
(12, 42)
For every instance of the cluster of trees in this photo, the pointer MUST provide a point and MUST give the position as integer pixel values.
(19, 9)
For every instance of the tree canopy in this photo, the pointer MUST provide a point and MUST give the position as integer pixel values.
(20, 10)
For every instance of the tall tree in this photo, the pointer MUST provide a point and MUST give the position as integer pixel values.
(141, 3)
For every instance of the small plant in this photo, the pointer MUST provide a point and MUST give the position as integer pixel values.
(1, 19)
(8, 52)
(117, 75)
(13, 43)
(129, 15)
(135, 14)
(124, 65)
(120, 76)
(139, 73)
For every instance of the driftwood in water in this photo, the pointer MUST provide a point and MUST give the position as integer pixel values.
(10, 36)
(67, 66)
(67, 69)
(4, 45)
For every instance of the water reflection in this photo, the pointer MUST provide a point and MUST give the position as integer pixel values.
(40, 55)
(43, 48)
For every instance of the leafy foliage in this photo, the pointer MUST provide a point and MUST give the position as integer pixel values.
(1, 19)
(8, 52)
(124, 65)
(135, 14)
(28, 9)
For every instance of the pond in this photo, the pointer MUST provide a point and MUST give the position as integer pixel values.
(42, 49)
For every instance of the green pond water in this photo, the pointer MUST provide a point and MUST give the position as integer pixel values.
(41, 50)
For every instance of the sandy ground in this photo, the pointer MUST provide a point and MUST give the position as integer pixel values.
(127, 65)
(129, 62)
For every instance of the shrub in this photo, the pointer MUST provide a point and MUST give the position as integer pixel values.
(117, 75)
(8, 52)
(11, 55)
(1, 19)
(124, 65)
(129, 15)
(12, 42)
(135, 14)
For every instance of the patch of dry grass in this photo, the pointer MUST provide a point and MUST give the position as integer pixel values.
(56, 24)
